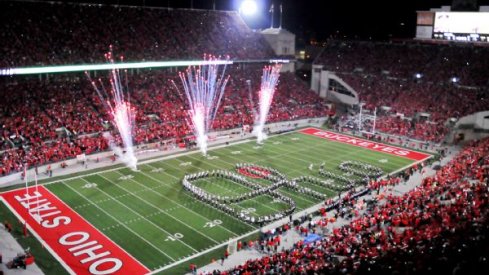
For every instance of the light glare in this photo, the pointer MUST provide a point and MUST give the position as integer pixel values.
(248, 7)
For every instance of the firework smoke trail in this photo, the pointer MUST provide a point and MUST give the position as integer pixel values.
(119, 108)
(204, 88)
(269, 81)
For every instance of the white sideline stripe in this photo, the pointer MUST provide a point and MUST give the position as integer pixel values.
(152, 205)
(141, 216)
(43, 243)
(203, 252)
(105, 212)
(148, 161)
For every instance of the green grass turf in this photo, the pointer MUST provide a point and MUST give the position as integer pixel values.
(153, 218)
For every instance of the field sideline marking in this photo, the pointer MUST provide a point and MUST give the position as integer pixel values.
(203, 252)
(156, 159)
(121, 223)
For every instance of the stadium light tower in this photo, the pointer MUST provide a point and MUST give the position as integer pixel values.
(248, 7)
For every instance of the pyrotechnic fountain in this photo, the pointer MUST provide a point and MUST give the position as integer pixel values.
(269, 82)
(204, 87)
(122, 114)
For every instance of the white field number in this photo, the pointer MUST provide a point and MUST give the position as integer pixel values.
(235, 152)
(127, 177)
(212, 223)
(175, 237)
(90, 185)
(188, 163)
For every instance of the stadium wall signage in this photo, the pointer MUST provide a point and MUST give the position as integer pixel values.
(367, 144)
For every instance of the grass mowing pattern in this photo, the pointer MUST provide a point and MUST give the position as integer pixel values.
(150, 215)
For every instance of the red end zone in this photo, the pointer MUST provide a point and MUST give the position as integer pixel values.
(81, 247)
(367, 144)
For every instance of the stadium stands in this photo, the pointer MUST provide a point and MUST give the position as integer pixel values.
(65, 118)
(37, 33)
(384, 75)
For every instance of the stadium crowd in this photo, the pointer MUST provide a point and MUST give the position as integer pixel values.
(384, 74)
(64, 118)
(55, 33)
(418, 232)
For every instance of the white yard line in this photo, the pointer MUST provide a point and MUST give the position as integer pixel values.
(121, 223)
(193, 198)
(219, 169)
(142, 217)
(202, 252)
(186, 194)
(152, 205)
(252, 199)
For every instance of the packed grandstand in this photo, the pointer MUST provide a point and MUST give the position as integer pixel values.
(439, 226)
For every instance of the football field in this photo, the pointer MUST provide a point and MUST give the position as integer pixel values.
(162, 226)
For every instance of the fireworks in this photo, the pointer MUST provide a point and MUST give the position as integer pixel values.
(122, 114)
(204, 88)
(269, 82)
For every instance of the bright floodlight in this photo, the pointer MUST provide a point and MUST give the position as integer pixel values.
(248, 7)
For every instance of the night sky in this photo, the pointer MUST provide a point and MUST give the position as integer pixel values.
(322, 19)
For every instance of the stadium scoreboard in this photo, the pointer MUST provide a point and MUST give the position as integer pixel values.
(453, 26)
